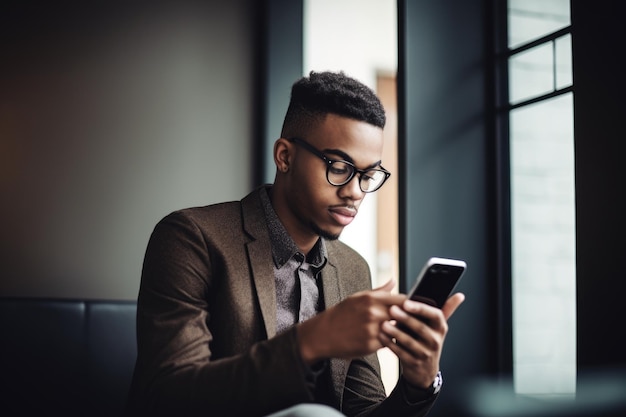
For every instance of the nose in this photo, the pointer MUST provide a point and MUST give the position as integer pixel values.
(352, 189)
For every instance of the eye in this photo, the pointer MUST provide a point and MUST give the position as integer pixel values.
(339, 168)
(374, 175)
(368, 176)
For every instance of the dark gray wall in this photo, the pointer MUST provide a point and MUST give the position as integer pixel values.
(598, 40)
(454, 203)
(444, 186)
(112, 115)
(281, 65)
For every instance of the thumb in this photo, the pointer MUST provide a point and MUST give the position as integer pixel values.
(452, 304)
(387, 286)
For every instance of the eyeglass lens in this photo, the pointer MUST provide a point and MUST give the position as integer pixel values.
(340, 173)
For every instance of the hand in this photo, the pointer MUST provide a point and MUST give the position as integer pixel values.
(349, 329)
(419, 351)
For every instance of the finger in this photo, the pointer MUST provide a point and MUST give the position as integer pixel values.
(388, 299)
(452, 304)
(389, 342)
(425, 312)
(387, 286)
(411, 329)
(389, 334)
(401, 344)
(380, 296)
(384, 295)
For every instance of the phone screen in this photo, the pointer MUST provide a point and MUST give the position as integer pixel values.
(438, 278)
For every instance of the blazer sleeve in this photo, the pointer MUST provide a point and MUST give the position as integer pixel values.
(177, 372)
(363, 395)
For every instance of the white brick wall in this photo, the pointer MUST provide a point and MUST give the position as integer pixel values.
(543, 247)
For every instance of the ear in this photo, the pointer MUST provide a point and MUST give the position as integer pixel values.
(282, 154)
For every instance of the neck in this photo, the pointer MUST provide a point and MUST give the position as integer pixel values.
(302, 236)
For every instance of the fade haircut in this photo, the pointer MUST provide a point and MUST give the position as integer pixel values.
(321, 93)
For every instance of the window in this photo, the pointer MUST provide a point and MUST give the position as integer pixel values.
(541, 144)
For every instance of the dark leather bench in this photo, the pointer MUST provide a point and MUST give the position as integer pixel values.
(65, 357)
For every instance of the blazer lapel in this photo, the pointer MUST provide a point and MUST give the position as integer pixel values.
(331, 284)
(260, 257)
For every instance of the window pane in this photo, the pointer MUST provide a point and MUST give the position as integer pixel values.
(543, 247)
(532, 19)
(531, 73)
(563, 61)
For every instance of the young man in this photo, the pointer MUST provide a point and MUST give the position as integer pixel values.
(251, 307)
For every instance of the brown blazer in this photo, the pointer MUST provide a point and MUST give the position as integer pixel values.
(206, 323)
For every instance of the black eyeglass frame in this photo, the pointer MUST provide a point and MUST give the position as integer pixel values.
(329, 162)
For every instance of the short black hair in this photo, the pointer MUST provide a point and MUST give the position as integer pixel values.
(321, 93)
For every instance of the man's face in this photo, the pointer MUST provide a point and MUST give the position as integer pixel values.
(317, 207)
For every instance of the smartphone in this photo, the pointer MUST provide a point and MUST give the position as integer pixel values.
(437, 280)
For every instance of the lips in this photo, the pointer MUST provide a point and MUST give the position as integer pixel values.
(343, 215)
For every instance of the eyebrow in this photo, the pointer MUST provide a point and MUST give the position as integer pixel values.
(347, 157)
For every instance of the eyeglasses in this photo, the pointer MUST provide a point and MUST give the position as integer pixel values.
(340, 172)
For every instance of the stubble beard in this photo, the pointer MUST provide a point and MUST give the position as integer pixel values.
(324, 233)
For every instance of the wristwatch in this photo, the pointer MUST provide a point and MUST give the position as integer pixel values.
(437, 383)
(416, 394)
